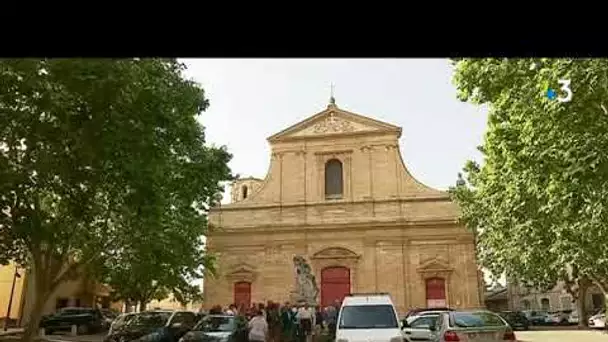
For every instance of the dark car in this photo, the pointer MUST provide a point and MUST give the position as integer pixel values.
(153, 326)
(516, 319)
(536, 317)
(213, 328)
(86, 320)
(109, 316)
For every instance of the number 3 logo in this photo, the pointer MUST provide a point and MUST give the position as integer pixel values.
(566, 89)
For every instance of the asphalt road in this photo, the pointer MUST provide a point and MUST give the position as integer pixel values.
(552, 335)
(561, 335)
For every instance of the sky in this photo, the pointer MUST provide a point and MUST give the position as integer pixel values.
(251, 99)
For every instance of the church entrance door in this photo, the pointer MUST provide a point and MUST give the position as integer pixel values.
(435, 293)
(242, 294)
(335, 284)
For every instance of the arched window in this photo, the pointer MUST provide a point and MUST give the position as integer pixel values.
(244, 191)
(545, 304)
(334, 184)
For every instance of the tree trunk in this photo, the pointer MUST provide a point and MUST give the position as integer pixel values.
(605, 311)
(581, 302)
(142, 305)
(33, 324)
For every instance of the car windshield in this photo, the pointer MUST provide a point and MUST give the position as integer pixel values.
(216, 324)
(367, 317)
(475, 319)
(123, 319)
(150, 319)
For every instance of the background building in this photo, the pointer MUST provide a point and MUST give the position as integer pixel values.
(80, 292)
(7, 276)
(522, 298)
(338, 193)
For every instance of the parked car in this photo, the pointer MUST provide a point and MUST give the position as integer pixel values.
(516, 319)
(557, 318)
(108, 317)
(368, 317)
(477, 325)
(157, 326)
(419, 311)
(120, 321)
(418, 328)
(573, 317)
(536, 317)
(220, 328)
(598, 321)
(86, 320)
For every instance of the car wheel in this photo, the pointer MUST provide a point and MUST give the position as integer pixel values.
(82, 329)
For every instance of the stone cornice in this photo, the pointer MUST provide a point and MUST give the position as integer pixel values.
(375, 243)
(442, 197)
(363, 225)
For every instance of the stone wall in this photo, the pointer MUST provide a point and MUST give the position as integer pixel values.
(390, 230)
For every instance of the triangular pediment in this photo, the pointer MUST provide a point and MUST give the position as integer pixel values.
(335, 252)
(334, 121)
(242, 272)
(434, 264)
(241, 268)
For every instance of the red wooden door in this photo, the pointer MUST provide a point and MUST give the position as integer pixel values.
(242, 294)
(335, 284)
(435, 292)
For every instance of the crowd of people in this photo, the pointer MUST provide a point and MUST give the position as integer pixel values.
(273, 322)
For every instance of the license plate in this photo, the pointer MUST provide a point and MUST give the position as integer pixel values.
(477, 336)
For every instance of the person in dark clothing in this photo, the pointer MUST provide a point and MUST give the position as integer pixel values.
(216, 310)
(318, 321)
(273, 317)
(331, 318)
(241, 329)
(287, 323)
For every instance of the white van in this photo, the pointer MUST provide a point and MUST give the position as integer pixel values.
(368, 317)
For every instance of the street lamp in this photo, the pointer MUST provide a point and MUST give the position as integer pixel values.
(10, 299)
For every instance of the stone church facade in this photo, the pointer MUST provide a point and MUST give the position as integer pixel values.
(337, 193)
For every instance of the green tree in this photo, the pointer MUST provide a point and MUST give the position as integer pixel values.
(155, 270)
(539, 201)
(99, 159)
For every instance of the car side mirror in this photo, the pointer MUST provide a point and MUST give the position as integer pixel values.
(404, 324)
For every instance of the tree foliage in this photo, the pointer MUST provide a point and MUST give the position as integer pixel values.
(103, 162)
(539, 201)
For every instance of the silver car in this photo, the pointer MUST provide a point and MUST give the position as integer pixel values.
(473, 325)
(212, 328)
(417, 328)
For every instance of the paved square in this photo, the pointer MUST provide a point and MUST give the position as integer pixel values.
(562, 336)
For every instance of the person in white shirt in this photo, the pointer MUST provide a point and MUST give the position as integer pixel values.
(306, 317)
(258, 328)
